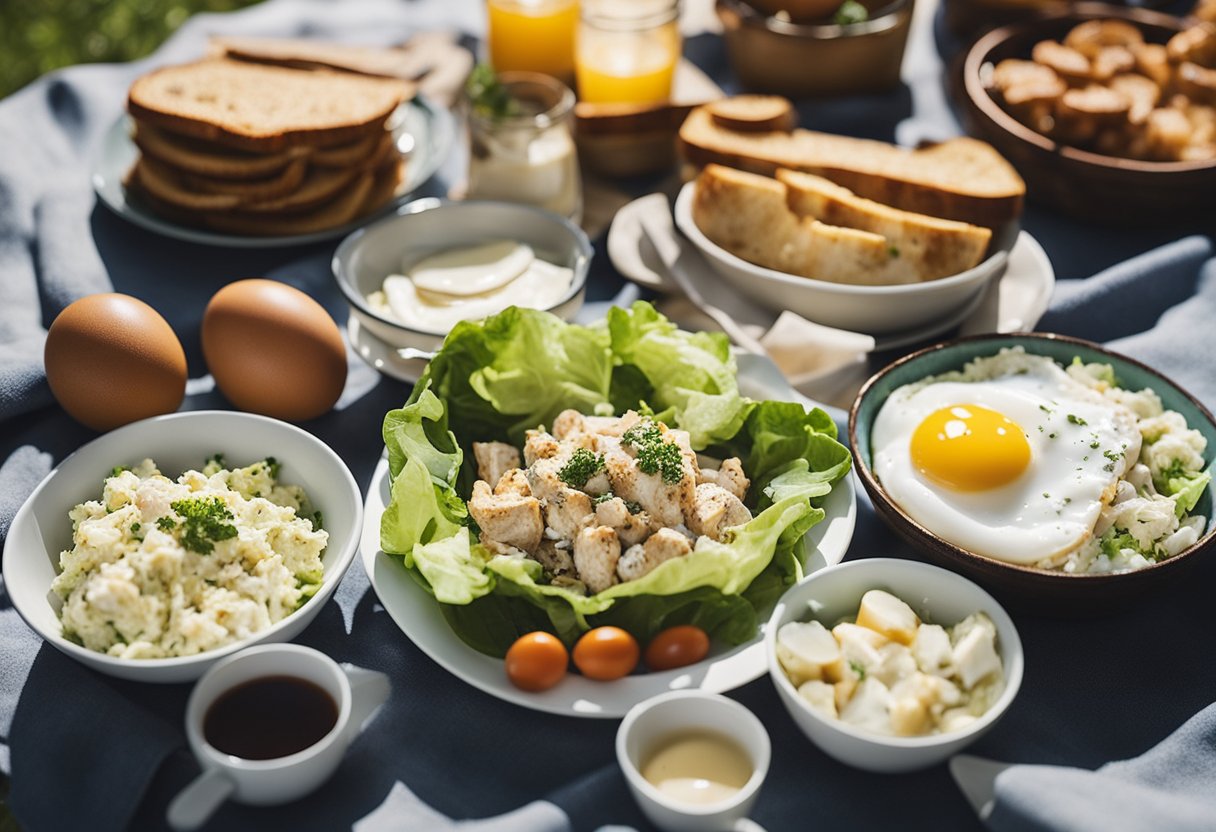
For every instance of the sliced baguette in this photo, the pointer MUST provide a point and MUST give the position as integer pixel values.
(263, 108)
(747, 215)
(934, 247)
(960, 179)
(206, 159)
(754, 113)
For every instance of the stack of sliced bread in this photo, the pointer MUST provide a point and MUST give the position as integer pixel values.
(252, 149)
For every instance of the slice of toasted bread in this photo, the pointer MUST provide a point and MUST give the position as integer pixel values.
(207, 159)
(339, 210)
(354, 153)
(165, 185)
(747, 215)
(301, 53)
(251, 190)
(960, 179)
(264, 108)
(934, 247)
(754, 113)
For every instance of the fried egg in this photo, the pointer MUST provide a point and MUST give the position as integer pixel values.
(1012, 459)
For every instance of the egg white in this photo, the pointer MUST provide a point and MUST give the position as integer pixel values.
(1081, 444)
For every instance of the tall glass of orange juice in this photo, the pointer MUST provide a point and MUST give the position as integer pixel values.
(533, 36)
(627, 50)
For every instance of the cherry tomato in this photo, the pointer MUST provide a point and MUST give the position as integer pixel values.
(606, 653)
(537, 661)
(677, 647)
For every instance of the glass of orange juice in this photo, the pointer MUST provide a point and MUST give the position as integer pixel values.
(533, 36)
(627, 50)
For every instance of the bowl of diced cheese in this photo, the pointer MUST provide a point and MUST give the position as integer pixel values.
(892, 665)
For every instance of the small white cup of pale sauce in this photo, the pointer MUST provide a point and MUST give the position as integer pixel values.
(694, 761)
(270, 724)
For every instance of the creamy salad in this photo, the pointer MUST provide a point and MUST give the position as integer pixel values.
(163, 567)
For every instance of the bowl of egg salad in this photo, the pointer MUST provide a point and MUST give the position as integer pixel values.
(163, 546)
(892, 665)
(1064, 477)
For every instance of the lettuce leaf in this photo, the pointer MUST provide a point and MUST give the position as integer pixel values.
(1186, 491)
(495, 379)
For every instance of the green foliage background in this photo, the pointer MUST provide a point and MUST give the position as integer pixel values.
(37, 36)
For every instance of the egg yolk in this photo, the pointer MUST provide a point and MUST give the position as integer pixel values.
(970, 448)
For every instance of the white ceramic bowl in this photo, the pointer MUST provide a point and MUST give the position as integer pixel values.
(425, 226)
(177, 442)
(876, 310)
(939, 597)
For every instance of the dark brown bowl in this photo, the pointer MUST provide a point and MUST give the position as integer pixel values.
(1043, 591)
(1086, 185)
(800, 60)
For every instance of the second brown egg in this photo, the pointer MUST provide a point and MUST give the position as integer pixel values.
(273, 350)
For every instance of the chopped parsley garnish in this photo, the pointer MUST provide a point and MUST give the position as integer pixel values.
(166, 523)
(488, 96)
(134, 528)
(583, 465)
(274, 466)
(317, 521)
(655, 455)
(1076, 420)
(603, 498)
(1094, 445)
(1113, 456)
(1051, 435)
(859, 669)
(205, 521)
(893, 250)
(118, 469)
(850, 12)
(218, 459)
(1045, 409)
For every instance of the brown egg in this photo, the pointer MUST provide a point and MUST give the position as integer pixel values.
(273, 350)
(112, 359)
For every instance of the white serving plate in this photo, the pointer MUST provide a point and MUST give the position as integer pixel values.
(1014, 301)
(419, 617)
(177, 442)
(425, 133)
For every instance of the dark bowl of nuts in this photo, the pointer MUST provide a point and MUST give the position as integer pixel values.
(1108, 112)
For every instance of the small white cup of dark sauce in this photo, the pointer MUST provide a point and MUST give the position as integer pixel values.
(694, 761)
(270, 724)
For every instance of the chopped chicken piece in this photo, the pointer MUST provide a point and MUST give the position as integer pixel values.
(514, 481)
(716, 510)
(565, 513)
(539, 445)
(661, 546)
(506, 518)
(544, 478)
(664, 502)
(494, 459)
(598, 484)
(569, 422)
(732, 478)
(596, 553)
(495, 547)
(630, 528)
(611, 425)
(557, 562)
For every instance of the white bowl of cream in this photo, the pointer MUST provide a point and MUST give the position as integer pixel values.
(411, 277)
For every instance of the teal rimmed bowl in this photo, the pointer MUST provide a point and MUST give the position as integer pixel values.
(1045, 591)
